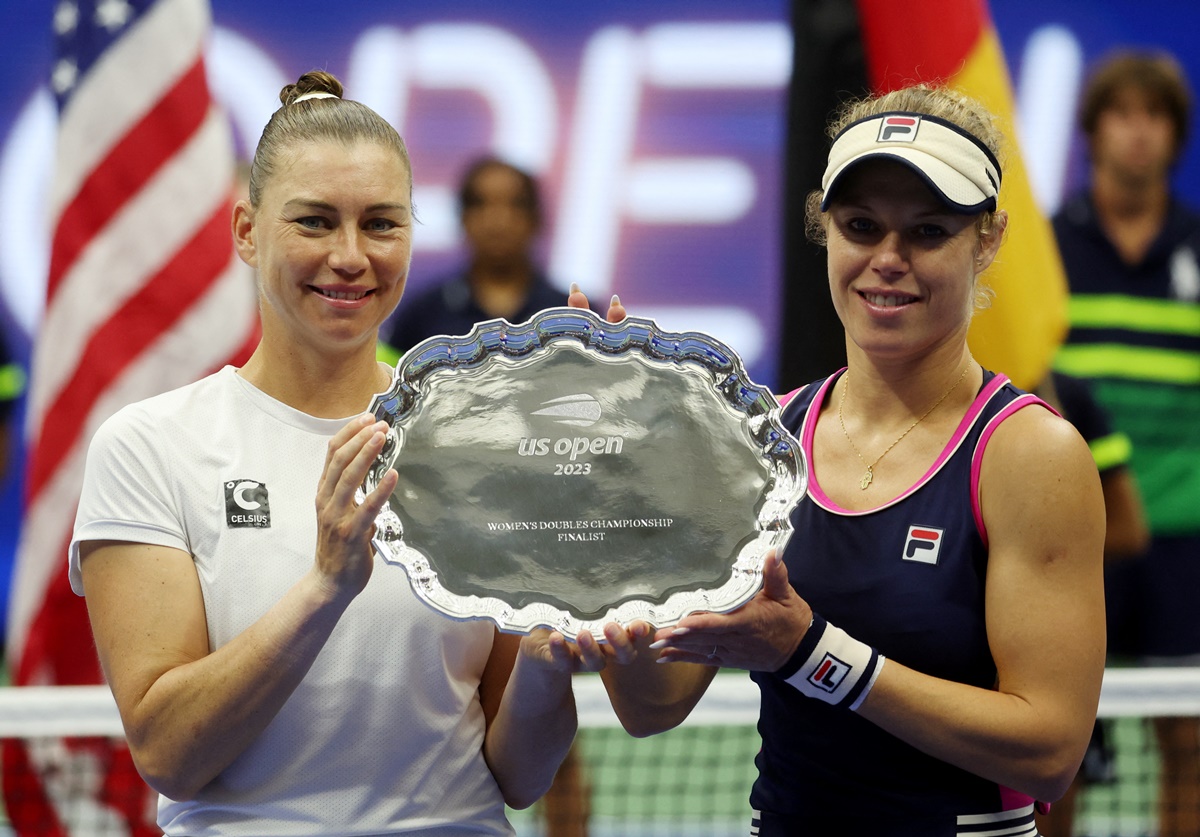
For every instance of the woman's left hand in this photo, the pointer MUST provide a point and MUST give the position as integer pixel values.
(761, 635)
(553, 651)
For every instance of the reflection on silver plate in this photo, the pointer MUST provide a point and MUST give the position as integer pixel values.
(567, 472)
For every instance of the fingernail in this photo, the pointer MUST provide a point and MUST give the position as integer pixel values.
(681, 631)
(659, 644)
(574, 287)
(662, 660)
(616, 300)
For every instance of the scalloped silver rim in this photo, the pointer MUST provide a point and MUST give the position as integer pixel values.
(634, 334)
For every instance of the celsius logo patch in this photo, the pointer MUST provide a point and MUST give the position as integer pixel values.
(899, 129)
(923, 544)
(829, 673)
(580, 410)
(246, 505)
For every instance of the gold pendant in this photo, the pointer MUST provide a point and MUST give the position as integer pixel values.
(865, 482)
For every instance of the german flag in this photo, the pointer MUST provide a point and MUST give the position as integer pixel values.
(845, 48)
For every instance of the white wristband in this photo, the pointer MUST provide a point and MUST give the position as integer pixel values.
(832, 666)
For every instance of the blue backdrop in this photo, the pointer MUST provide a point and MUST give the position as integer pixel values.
(656, 127)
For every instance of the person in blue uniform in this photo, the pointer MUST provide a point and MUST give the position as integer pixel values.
(930, 645)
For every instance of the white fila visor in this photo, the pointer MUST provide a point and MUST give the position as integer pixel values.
(956, 166)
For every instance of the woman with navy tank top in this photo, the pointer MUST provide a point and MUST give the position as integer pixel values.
(930, 645)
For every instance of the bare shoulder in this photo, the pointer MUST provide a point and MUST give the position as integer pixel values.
(1033, 437)
(1037, 468)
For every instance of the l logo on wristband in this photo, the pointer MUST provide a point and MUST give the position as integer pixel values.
(830, 673)
(832, 666)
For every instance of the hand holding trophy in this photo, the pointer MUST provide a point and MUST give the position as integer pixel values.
(569, 472)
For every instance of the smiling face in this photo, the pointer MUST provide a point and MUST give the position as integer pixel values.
(902, 268)
(331, 240)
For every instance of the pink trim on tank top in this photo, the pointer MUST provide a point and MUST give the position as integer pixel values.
(1020, 402)
(960, 432)
(1010, 800)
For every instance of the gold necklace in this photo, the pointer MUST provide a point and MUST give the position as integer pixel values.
(865, 482)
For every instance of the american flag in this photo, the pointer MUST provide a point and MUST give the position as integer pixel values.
(144, 294)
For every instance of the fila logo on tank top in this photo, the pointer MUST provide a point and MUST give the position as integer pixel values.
(923, 544)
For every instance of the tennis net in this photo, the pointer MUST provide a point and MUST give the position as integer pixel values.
(695, 780)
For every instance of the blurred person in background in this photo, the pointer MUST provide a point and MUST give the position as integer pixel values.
(500, 209)
(1130, 247)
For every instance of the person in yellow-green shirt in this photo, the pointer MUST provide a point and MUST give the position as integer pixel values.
(1131, 249)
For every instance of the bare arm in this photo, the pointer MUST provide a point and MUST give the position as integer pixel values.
(1045, 620)
(531, 721)
(189, 713)
(1126, 532)
(530, 706)
(649, 698)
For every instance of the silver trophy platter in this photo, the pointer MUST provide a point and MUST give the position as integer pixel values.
(567, 472)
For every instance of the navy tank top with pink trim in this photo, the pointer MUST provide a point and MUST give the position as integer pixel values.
(907, 578)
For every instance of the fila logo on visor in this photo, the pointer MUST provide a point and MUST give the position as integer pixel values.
(923, 544)
(247, 505)
(898, 129)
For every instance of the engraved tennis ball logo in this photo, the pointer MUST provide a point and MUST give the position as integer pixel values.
(581, 410)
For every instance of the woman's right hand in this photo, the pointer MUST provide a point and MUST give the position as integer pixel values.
(345, 528)
(761, 635)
